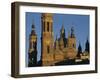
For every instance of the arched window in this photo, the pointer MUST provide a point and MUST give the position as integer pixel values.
(73, 45)
(48, 49)
(48, 26)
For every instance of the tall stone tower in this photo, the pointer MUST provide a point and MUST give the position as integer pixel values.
(71, 45)
(32, 54)
(47, 39)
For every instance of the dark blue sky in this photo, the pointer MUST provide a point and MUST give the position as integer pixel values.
(79, 22)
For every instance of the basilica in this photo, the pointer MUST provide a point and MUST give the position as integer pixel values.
(55, 52)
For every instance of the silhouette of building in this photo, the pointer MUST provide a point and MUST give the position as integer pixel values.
(63, 49)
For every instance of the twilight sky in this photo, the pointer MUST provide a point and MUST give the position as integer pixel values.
(79, 22)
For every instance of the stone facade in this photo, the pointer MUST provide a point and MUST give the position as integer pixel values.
(61, 49)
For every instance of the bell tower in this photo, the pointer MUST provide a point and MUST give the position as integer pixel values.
(71, 45)
(72, 39)
(32, 54)
(62, 40)
(47, 39)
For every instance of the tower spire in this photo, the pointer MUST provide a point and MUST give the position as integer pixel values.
(62, 29)
(87, 45)
(62, 32)
(68, 33)
(56, 43)
(56, 37)
(33, 29)
(72, 32)
(32, 54)
(79, 50)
